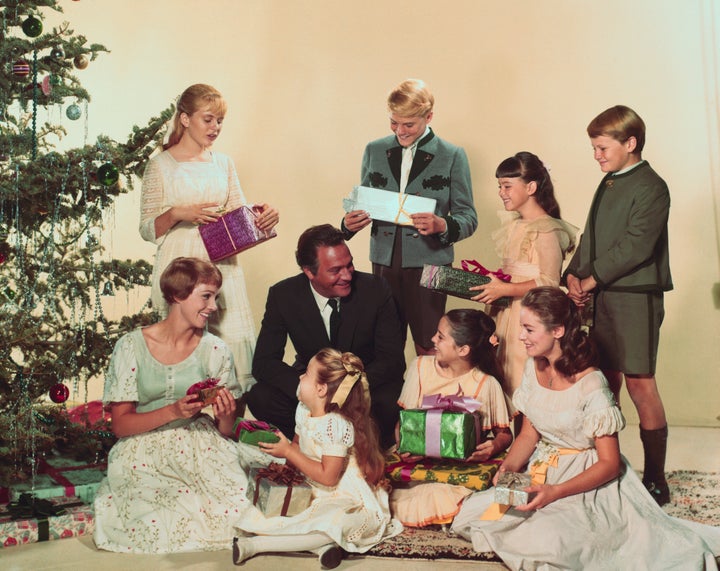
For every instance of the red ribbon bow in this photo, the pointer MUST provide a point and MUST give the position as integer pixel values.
(476, 267)
(280, 474)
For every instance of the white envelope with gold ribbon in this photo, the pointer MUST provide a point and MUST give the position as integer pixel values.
(387, 205)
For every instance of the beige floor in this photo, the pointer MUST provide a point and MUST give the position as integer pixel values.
(689, 449)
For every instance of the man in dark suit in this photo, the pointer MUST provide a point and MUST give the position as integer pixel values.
(301, 307)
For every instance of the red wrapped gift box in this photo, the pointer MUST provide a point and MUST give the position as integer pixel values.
(74, 519)
(232, 233)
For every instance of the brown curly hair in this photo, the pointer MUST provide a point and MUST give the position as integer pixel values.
(555, 309)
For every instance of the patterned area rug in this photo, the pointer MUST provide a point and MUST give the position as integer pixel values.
(695, 496)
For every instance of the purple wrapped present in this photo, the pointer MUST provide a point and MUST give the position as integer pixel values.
(232, 233)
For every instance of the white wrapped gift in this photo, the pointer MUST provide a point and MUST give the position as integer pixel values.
(278, 489)
(387, 205)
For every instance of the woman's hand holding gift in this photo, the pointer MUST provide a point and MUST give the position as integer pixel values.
(224, 410)
(268, 216)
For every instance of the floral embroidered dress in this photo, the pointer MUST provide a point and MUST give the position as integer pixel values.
(179, 487)
(355, 515)
(530, 250)
(616, 526)
(418, 504)
(169, 183)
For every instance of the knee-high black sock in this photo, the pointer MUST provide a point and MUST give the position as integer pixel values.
(655, 449)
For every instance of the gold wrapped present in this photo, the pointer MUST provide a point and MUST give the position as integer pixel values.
(475, 476)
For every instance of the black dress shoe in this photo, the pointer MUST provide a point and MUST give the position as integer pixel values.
(331, 557)
(659, 491)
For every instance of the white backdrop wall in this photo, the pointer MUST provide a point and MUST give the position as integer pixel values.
(306, 82)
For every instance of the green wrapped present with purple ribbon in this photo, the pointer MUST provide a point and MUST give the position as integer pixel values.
(254, 431)
(444, 427)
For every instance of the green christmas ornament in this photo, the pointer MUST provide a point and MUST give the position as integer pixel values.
(32, 27)
(55, 80)
(57, 52)
(108, 174)
(73, 112)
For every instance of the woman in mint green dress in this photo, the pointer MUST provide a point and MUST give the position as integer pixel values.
(175, 481)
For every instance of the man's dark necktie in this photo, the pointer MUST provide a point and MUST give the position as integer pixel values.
(334, 321)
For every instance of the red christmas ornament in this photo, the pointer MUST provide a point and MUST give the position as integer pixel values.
(21, 68)
(59, 393)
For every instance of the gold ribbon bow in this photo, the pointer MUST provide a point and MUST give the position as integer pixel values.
(352, 377)
(401, 209)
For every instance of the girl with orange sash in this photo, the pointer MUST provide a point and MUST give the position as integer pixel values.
(589, 510)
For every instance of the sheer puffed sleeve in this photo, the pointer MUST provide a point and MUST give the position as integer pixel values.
(410, 394)
(601, 416)
(551, 239)
(495, 405)
(236, 197)
(152, 201)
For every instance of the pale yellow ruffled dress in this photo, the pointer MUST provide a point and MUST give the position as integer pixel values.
(530, 250)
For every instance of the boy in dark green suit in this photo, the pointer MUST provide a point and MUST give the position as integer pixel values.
(623, 262)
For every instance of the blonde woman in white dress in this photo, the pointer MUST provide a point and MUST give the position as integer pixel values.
(186, 185)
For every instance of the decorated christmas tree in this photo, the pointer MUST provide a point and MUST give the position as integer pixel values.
(54, 268)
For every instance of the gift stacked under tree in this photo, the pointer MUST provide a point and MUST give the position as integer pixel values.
(58, 476)
(30, 519)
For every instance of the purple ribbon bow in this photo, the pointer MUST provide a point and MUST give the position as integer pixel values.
(253, 425)
(451, 403)
(435, 406)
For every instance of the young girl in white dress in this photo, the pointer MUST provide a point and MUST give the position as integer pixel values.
(187, 185)
(532, 243)
(336, 447)
(464, 361)
(590, 510)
